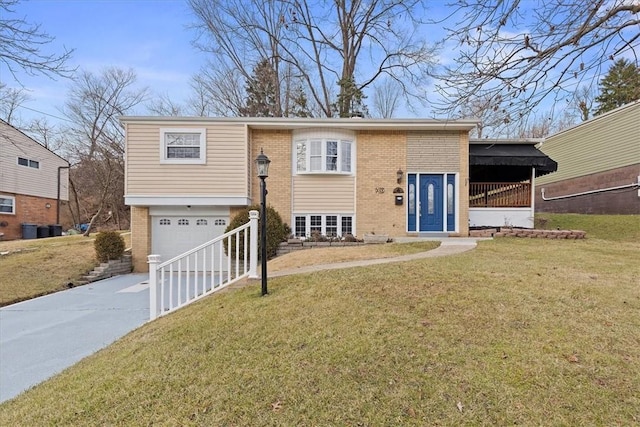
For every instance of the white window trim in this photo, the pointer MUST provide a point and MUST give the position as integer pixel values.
(324, 216)
(203, 146)
(28, 165)
(305, 136)
(13, 204)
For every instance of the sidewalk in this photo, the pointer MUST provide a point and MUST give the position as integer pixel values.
(448, 246)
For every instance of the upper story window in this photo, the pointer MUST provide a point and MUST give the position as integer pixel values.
(323, 151)
(7, 204)
(183, 146)
(28, 163)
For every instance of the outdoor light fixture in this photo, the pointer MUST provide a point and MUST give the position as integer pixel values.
(399, 175)
(262, 165)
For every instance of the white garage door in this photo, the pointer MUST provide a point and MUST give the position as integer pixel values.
(175, 235)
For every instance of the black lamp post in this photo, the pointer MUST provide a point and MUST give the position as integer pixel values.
(262, 164)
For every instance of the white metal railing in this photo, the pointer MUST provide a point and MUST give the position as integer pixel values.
(203, 270)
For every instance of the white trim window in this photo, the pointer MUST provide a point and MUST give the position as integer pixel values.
(7, 205)
(328, 225)
(323, 151)
(183, 146)
(28, 163)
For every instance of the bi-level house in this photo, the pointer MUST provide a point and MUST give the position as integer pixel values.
(33, 182)
(185, 177)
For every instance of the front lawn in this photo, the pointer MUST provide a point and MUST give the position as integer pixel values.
(516, 332)
(42, 266)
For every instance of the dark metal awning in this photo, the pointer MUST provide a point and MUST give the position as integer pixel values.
(511, 155)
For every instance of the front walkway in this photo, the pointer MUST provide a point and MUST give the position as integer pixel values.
(448, 246)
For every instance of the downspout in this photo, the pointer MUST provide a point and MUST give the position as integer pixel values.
(58, 197)
(601, 190)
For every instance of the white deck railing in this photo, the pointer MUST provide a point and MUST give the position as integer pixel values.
(203, 270)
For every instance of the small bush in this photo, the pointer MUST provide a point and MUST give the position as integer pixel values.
(109, 245)
(277, 230)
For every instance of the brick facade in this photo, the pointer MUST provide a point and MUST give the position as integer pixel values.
(379, 156)
(28, 209)
(140, 238)
(624, 201)
(463, 187)
(277, 146)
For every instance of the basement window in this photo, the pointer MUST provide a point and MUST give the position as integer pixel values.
(7, 205)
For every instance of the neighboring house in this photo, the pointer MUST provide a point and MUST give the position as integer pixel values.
(502, 175)
(598, 166)
(186, 177)
(33, 180)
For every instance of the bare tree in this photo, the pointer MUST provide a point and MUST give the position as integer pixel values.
(22, 43)
(10, 100)
(386, 98)
(521, 54)
(336, 48)
(45, 132)
(163, 105)
(218, 91)
(97, 140)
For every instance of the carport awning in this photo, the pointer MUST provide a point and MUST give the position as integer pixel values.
(511, 155)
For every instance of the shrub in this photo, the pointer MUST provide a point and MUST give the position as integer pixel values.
(109, 245)
(277, 230)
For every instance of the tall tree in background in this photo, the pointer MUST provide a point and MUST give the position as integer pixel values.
(22, 44)
(10, 100)
(337, 49)
(620, 86)
(386, 98)
(96, 142)
(520, 56)
(262, 92)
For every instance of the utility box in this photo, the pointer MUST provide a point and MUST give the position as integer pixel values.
(55, 230)
(43, 231)
(29, 231)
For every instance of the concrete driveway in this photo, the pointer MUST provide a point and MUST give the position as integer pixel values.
(41, 337)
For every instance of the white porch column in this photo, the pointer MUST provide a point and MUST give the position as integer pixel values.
(253, 244)
(153, 261)
(533, 197)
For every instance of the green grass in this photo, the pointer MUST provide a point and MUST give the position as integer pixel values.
(609, 227)
(42, 266)
(518, 331)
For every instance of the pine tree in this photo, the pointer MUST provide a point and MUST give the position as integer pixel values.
(620, 86)
(262, 100)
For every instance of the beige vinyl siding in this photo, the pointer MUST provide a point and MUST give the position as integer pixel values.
(433, 151)
(224, 174)
(606, 142)
(17, 179)
(323, 194)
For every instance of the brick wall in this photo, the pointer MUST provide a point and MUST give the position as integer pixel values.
(140, 238)
(28, 209)
(379, 156)
(463, 187)
(625, 201)
(277, 146)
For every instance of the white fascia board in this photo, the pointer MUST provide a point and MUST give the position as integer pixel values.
(302, 123)
(181, 200)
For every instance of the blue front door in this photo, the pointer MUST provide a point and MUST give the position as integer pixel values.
(431, 197)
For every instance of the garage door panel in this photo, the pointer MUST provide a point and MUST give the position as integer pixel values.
(175, 235)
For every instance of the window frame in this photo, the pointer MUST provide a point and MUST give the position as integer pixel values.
(323, 149)
(30, 163)
(202, 132)
(339, 218)
(13, 204)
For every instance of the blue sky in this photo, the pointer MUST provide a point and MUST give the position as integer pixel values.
(150, 36)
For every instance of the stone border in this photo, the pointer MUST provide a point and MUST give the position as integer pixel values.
(529, 233)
